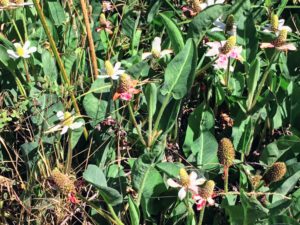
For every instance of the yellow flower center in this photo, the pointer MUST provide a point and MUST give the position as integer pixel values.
(155, 53)
(274, 22)
(184, 177)
(102, 19)
(20, 51)
(230, 43)
(68, 119)
(109, 68)
(281, 39)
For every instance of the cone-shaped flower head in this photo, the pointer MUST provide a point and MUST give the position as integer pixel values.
(226, 153)
(229, 23)
(63, 182)
(184, 177)
(275, 172)
(274, 22)
(281, 39)
(4, 2)
(207, 190)
(102, 19)
(230, 43)
(125, 82)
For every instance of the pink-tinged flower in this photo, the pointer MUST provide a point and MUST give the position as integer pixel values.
(280, 43)
(111, 71)
(21, 51)
(72, 198)
(156, 51)
(205, 195)
(104, 25)
(186, 183)
(224, 50)
(106, 6)
(126, 88)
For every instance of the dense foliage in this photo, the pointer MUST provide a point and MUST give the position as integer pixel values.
(149, 112)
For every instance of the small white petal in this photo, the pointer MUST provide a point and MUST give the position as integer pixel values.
(117, 66)
(173, 183)
(103, 76)
(156, 44)
(203, 6)
(210, 201)
(12, 54)
(64, 130)
(280, 22)
(200, 181)
(60, 115)
(53, 129)
(115, 77)
(31, 50)
(26, 45)
(146, 55)
(17, 45)
(165, 52)
(26, 56)
(182, 193)
(76, 125)
(193, 176)
(119, 72)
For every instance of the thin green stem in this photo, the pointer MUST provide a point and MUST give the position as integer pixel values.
(57, 57)
(113, 214)
(69, 154)
(201, 216)
(161, 111)
(150, 120)
(263, 80)
(203, 69)
(136, 125)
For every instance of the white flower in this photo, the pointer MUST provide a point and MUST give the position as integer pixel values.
(111, 71)
(66, 123)
(156, 51)
(220, 26)
(187, 182)
(276, 25)
(21, 51)
(210, 3)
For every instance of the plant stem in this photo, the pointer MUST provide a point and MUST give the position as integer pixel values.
(57, 57)
(200, 71)
(161, 111)
(113, 214)
(69, 154)
(225, 179)
(90, 38)
(26, 70)
(263, 80)
(201, 216)
(135, 124)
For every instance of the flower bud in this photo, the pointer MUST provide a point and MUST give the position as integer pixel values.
(207, 189)
(230, 43)
(275, 172)
(63, 181)
(226, 153)
(281, 39)
(184, 177)
(109, 68)
(255, 180)
(4, 2)
(274, 22)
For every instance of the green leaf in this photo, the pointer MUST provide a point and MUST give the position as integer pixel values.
(276, 149)
(76, 134)
(57, 12)
(151, 98)
(171, 169)
(95, 176)
(134, 212)
(179, 75)
(204, 20)
(49, 66)
(252, 80)
(173, 33)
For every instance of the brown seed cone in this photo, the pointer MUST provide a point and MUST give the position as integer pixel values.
(226, 153)
(184, 177)
(230, 43)
(207, 189)
(63, 182)
(18, 1)
(275, 173)
(281, 39)
(125, 83)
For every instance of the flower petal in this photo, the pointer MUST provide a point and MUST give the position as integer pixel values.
(210, 201)
(31, 50)
(26, 45)
(173, 183)
(287, 47)
(60, 115)
(117, 66)
(200, 181)
(156, 44)
(165, 52)
(76, 125)
(146, 55)
(182, 193)
(64, 130)
(193, 176)
(266, 45)
(12, 54)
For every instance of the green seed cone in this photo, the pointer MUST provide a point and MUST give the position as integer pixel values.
(207, 189)
(184, 177)
(226, 153)
(274, 22)
(275, 172)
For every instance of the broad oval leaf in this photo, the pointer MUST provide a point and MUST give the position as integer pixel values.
(179, 75)
(173, 32)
